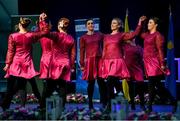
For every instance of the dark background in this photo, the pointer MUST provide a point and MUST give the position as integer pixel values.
(106, 10)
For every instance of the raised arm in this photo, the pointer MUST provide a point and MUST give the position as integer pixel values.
(10, 53)
(44, 24)
(143, 35)
(43, 28)
(131, 35)
(55, 36)
(35, 36)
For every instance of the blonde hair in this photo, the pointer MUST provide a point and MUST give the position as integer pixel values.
(120, 22)
(66, 22)
(25, 22)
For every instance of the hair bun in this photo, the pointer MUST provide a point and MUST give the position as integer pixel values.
(25, 22)
(66, 21)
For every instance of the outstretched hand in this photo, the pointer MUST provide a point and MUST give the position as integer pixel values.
(42, 16)
(141, 19)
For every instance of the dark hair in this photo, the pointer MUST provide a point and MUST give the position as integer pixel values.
(89, 19)
(25, 22)
(155, 19)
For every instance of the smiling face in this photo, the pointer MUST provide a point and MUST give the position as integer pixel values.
(115, 24)
(152, 25)
(90, 25)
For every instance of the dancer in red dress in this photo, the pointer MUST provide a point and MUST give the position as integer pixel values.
(90, 57)
(46, 45)
(19, 64)
(62, 61)
(133, 56)
(154, 62)
(114, 67)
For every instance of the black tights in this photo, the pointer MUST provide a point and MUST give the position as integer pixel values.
(102, 91)
(136, 87)
(58, 85)
(111, 83)
(155, 82)
(35, 90)
(13, 85)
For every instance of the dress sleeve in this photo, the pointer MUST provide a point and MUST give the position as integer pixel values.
(54, 36)
(131, 35)
(73, 55)
(160, 47)
(101, 42)
(35, 36)
(82, 51)
(43, 26)
(11, 50)
(143, 35)
(43, 30)
(141, 56)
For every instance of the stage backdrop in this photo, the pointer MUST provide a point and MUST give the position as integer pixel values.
(36, 46)
(80, 29)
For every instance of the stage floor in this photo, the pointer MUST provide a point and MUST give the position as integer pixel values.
(71, 106)
(80, 111)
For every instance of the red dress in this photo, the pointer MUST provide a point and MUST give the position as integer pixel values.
(90, 55)
(153, 53)
(113, 62)
(46, 44)
(63, 56)
(19, 55)
(134, 61)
